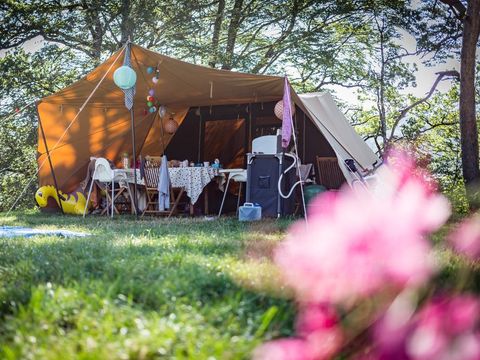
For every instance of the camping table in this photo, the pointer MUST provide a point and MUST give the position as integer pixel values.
(193, 180)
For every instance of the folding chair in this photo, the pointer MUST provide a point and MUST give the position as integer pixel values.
(152, 175)
(303, 174)
(239, 176)
(104, 176)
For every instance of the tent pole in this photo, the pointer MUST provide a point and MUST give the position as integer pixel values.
(50, 162)
(304, 136)
(134, 154)
(200, 136)
(160, 118)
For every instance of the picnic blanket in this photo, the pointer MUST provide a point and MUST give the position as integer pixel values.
(15, 231)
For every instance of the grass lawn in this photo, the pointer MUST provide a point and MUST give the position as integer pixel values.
(182, 288)
(154, 288)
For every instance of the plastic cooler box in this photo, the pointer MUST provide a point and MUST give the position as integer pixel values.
(249, 212)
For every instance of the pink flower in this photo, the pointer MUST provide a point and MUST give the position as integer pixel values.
(357, 243)
(323, 344)
(445, 328)
(315, 317)
(319, 345)
(284, 349)
(319, 337)
(466, 238)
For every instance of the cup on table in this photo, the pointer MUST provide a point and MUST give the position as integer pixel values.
(206, 163)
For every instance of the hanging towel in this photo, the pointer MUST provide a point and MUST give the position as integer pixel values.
(164, 186)
(142, 169)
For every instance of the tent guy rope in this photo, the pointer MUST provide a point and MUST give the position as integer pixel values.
(18, 111)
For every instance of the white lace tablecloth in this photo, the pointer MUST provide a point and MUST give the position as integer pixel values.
(192, 179)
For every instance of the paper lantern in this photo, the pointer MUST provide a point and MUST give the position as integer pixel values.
(151, 92)
(150, 69)
(154, 79)
(278, 110)
(152, 109)
(150, 98)
(162, 110)
(170, 126)
(125, 77)
(149, 103)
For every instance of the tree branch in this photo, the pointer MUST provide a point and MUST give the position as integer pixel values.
(440, 76)
(458, 9)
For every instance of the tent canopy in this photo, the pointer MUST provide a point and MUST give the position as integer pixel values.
(192, 93)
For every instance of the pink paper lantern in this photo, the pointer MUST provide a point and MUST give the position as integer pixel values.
(278, 110)
(170, 126)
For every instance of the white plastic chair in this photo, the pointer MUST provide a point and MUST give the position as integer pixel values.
(103, 173)
(239, 176)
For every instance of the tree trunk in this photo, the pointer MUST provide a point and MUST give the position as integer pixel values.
(468, 121)
(126, 26)
(216, 33)
(382, 113)
(232, 34)
(92, 15)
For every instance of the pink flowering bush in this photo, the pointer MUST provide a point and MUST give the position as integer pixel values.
(466, 238)
(358, 242)
(371, 247)
(319, 337)
(444, 328)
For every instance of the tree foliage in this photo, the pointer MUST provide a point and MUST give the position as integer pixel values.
(25, 79)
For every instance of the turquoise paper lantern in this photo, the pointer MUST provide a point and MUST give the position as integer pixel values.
(125, 77)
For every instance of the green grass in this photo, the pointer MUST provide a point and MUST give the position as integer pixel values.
(182, 288)
(155, 288)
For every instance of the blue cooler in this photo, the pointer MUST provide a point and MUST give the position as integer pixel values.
(250, 212)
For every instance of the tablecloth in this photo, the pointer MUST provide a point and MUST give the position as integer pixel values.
(192, 179)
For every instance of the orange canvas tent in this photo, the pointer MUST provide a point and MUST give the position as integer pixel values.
(89, 118)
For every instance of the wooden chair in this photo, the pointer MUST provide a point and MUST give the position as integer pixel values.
(153, 158)
(329, 173)
(152, 175)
